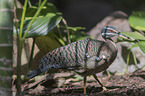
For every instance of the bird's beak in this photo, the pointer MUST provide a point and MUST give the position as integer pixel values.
(124, 36)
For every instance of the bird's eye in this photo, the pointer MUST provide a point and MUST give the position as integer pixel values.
(111, 30)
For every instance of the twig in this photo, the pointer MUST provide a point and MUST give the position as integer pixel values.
(68, 33)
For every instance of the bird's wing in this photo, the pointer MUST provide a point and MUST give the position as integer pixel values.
(63, 61)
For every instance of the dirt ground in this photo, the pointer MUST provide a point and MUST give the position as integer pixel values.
(117, 85)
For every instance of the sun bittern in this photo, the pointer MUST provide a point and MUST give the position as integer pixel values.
(86, 57)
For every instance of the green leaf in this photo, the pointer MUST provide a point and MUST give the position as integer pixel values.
(134, 35)
(47, 43)
(133, 45)
(141, 44)
(75, 28)
(137, 20)
(41, 26)
(79, 36)
(30, 11)
(137, 36)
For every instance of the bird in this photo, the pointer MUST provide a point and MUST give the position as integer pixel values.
(86, 57)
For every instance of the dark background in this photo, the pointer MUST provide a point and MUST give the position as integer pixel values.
(87, 13)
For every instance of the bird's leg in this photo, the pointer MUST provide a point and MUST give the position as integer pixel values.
(85, 78)
(99, 82)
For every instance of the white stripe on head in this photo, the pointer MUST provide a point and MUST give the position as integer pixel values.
(108, 34)
(112, 29)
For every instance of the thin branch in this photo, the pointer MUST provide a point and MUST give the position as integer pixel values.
(68, 33)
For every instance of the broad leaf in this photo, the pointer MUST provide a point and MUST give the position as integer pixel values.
(134, 35)
(41, 26)
(133, 45)
(79, 36)
(141, 44)
(47, 43)
(30, 11)
(137, 20)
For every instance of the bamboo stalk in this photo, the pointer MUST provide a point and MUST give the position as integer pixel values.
(6, 46)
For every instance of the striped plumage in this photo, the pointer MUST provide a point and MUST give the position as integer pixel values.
(86, 57)
(77, 55)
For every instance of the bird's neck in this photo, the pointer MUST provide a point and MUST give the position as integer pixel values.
(112, 46)
(113, 51)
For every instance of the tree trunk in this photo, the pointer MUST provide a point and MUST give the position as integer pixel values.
(6, 46)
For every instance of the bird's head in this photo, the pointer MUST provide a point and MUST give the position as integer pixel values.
(110, 31)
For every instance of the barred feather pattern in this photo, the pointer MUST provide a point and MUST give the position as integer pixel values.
(80, 54)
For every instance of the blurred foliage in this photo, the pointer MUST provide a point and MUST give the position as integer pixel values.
(49, 30)
(47, 43)
(21, 36)
(47, 20)
(137, 22)
(137, 38)
(30, 11)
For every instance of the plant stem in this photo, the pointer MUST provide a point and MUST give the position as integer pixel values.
(22, 19)
(135, 61)
(19, 51)
(31, 56)
(128, 57)
(33, 45)
(108, 73)
(39, 3)
(18, 85)
(58, 28)
(60, 40)
(142, 67)
(29, 2)
(68, 33)
(36, 14)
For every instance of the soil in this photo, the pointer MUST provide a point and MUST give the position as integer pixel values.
(117, 85)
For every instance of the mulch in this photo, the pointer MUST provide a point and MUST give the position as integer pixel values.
(118, 85)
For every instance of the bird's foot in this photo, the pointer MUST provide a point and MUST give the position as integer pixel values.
(104, 89)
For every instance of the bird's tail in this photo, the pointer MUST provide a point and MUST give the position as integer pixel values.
(34, 73)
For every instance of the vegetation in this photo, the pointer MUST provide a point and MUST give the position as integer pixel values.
(137, 23)
(44, 26)
(44, 23)
(6, 46)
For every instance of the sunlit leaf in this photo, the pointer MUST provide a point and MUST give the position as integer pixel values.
(141, 44)
(137, 20)
(41, 26)
(134, 35)
(140, 39)
(30, 11)
(133, 45)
